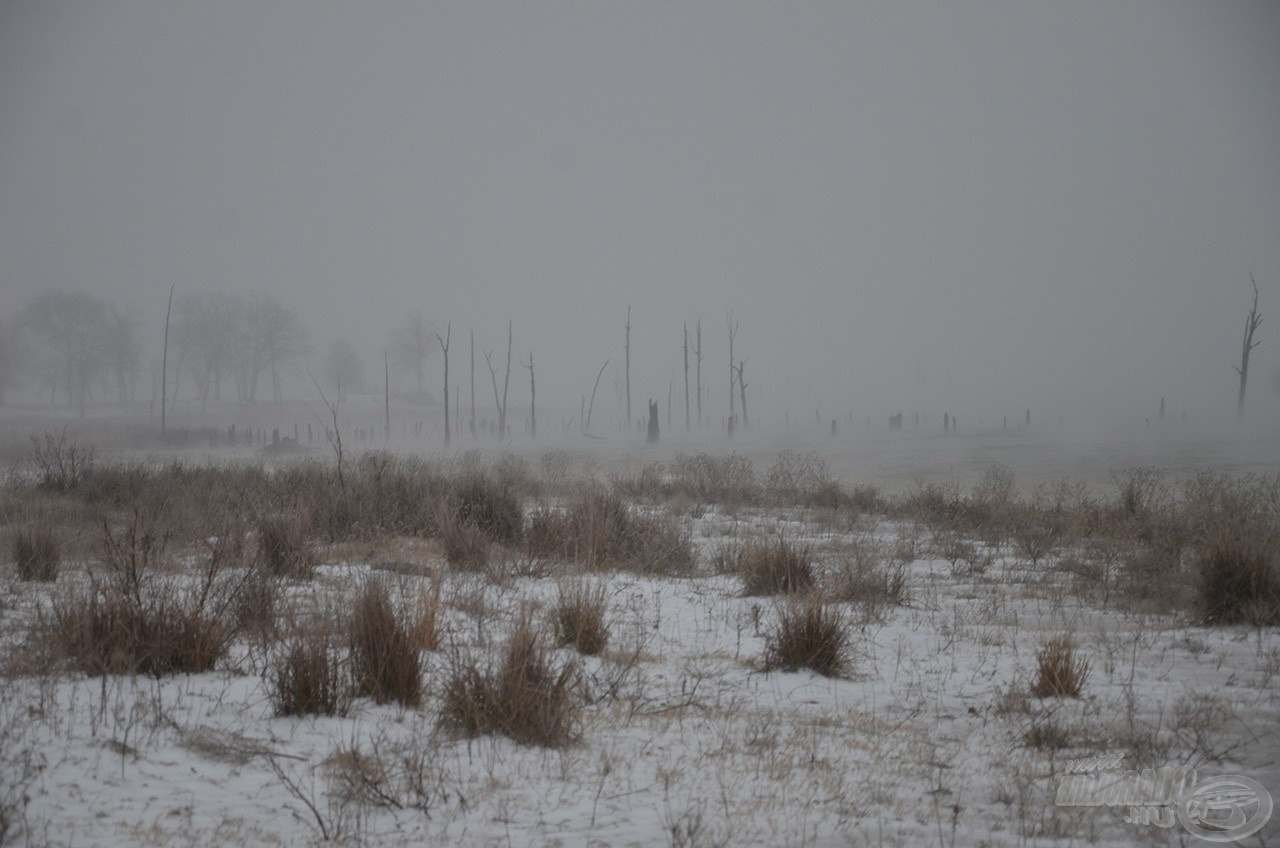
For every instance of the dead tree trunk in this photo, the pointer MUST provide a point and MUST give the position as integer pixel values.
(164, 359)
(697, 353)
(627, 351)
(1246, 346)
(506, 383)
(686, 376)
(586, 424)
(742, 394)
(733, 331)
(533, 401)
(444, 346)
(473, 384)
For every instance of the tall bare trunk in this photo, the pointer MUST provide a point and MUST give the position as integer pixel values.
(164, 359)
(1246, 347)
(444, 346)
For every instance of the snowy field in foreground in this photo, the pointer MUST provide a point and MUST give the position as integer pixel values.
(930, 740)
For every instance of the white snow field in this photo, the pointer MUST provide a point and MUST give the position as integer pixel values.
(931, 738)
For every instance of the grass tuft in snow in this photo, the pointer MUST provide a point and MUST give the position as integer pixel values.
(36, 552)
(526, 698)
(384, 657)
(579, 617)
(810, 635)
(777, 568)
(1059, 672)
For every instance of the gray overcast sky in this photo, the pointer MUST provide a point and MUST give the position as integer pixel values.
(972, 206)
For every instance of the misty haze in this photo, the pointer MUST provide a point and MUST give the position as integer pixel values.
(691, 424)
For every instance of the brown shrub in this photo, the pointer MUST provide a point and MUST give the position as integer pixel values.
(525, 698)
(579, 617)
(384, 659)
(1238, 584)
(810, 635)
(284, 546)
(1059, 672)
(306, 678)
(36, 552)
(777, 567)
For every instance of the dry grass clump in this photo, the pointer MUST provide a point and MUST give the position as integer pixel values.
(777, 567)
(384, 658)
(284, 546)
(466, 547)
(60, 463)
(579, 617)
(525, 698)
(810, 635)
(796, 478)
(488, 504)
(425, 632)
(140, 618)
(869, 581)
(36, 552)
(1059, 672)
(728, 480)
(598, 530)
(307, 678)
(1238, 584)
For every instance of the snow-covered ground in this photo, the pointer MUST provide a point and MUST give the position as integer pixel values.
(931, 739)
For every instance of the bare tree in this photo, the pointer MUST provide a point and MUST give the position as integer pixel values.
(627, 349)
(335, 438)
(586, 424)
(1247, 345)
(733, 331)
(164, 358)
(286, 341)
(501, 402)
(13, 355)
(697, 352)
(742, 393)
(343, 368)
(473, 384)
(210, 330)
(71, 327)
(444, 346)
(122, 351)
(533, 401)
(410, 347)
(686, 377)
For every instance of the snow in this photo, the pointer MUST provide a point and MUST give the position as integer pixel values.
(685, 741)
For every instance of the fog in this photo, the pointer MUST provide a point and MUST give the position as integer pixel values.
(977, 208)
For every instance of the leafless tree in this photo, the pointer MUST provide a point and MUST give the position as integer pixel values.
(343, 368)
(686, 376)
(1247, 345)
(586, 424)
(697, 353)
(627, 349)
(122, 352)
(273, 339)
(501, 403)
(444, 346)
(473, 384)
(164, 359)
(410, 348)
(733, 331)
(209, 332)
(533, 401)
(742, 393)
(70, 325)
(13, 355)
